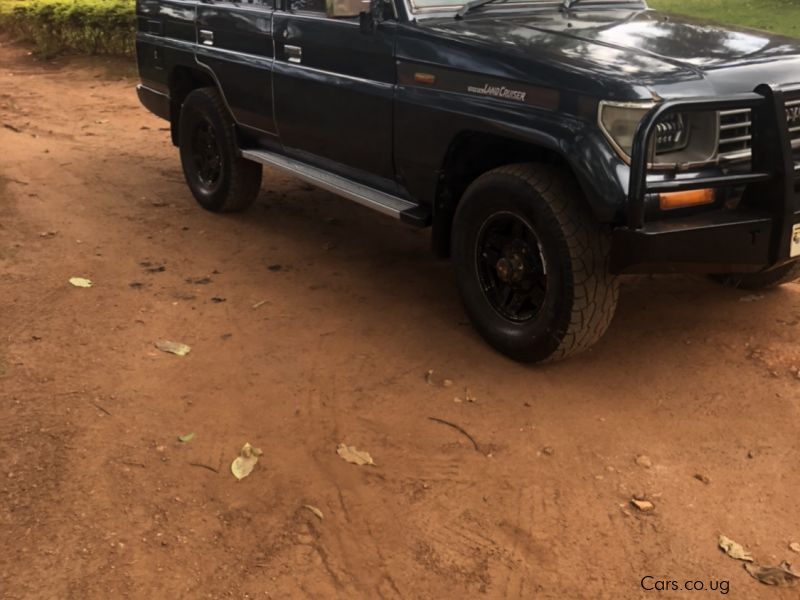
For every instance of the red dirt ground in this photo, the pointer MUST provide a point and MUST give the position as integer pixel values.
(98, 498)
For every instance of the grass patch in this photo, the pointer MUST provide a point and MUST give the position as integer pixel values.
(78, 26)
(777, 16)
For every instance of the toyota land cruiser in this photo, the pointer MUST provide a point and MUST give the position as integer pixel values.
(549, 146)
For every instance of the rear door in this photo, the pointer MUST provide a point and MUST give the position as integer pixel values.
(235, 42)
(334, 88)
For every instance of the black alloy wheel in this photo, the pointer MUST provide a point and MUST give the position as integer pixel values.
(531, 263)
(511, 267)
(207, 155)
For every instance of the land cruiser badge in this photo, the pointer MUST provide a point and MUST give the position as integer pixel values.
(498, 91)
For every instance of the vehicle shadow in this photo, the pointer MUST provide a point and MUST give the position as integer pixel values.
(386, 271)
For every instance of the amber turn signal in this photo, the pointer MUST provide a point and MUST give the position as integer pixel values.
(427, 78)
(673, 200)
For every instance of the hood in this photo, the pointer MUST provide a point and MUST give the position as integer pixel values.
(673, 56)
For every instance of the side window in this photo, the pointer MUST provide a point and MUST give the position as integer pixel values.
(263, 3)
(317, 6)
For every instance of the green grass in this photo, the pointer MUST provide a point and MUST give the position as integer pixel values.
(76, 26)
(778, 16)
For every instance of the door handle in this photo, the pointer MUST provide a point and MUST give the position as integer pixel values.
(206, 37)
(294, 54)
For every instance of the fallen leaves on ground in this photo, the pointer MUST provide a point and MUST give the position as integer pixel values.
(351, 455)
(173, 347)
(429, 379)
(780, 576)
(243, 464)
(188, 437)
(81, 282)
(314, 510)
(467, 397)
(734, 549)
(643, 505)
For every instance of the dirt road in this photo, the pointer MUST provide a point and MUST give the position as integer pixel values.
(312, 322)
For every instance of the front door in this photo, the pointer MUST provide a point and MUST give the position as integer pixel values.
(334, 88)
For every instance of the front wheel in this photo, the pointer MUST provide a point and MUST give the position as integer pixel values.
(220, 179)
(531, 263)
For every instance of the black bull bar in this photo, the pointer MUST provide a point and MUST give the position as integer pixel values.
(752, 237)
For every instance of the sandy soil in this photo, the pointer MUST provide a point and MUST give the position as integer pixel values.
(312, 322)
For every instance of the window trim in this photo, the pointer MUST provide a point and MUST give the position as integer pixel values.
(268, 5)
(283, 6)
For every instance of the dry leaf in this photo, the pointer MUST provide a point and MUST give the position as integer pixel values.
(173, 347)
(81, 282)
(733, 549)
(780, 576)
(351, 455)
(643, 505)
(243, 464)
(186, 437)
(429, 379)
(314, 510)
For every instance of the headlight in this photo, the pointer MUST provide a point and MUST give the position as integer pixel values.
(679, 138)
(619, 121)
(672, 133)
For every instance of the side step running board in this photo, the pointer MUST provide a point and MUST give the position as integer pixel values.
(387, 204)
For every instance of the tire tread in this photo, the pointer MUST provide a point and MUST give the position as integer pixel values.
(595, 291)
(245, 176)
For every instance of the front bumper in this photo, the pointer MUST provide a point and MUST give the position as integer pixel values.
(754, 236)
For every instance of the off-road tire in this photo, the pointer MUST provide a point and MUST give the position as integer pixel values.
(239, 180)
(580, 295)
(763, 280)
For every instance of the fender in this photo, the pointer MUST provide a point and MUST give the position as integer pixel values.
(428, 120)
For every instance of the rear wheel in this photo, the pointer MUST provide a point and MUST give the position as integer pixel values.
(763, 280)
(531, 263)
(220, 179)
